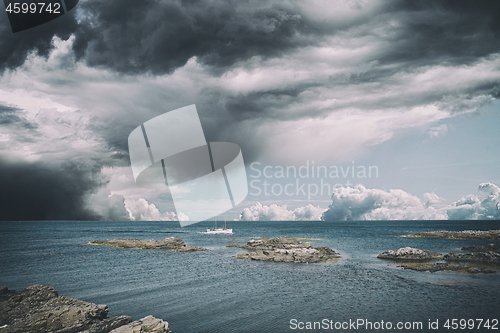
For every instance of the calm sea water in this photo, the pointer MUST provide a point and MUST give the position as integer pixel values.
(213, 292)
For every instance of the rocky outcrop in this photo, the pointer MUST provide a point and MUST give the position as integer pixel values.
(283, 249)
(466, 234)
(481, 254)
(171, 243)
(482, 248)
(409, 253)
(148, 324)
(479, 257)
(271, 244)
(457, 267)
(39, 309)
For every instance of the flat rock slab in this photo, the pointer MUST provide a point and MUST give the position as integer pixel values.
(466, 234)
(171, 243)
(482, 248)
(457, 267)
(409, 253)
(479, 257)
(39, 309)
(283, 249)
(148, 324)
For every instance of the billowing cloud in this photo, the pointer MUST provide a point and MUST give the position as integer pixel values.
(259, 212)
(15, 48)
(141, 210)
(108, 207)
(361, 203)
(484, 206)
(303, 84)
(161, 36)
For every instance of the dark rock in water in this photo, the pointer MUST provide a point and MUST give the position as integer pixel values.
(466, 234)
(482, 248)
(172, 243)
(481, 254)
(271, 244)
(39, 309)
(408, 253)
(283, 249)
(447, 267)
(481, 257)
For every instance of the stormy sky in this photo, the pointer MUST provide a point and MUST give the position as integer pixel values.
(409, 87)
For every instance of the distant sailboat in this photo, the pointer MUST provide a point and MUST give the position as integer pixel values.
(224, 230)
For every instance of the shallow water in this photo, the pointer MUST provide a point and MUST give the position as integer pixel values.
(213, 292)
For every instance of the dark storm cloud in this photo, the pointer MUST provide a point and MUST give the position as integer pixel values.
(160, 36)
(443, 31)
(15, 47)
(37, 191)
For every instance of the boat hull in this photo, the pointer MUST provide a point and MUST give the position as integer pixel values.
(220, 231)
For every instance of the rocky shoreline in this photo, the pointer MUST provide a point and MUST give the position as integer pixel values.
(284, 249)
(39, 309)
(493, 235)
(170, 243)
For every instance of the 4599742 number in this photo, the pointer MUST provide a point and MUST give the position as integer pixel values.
(33, 7)
(471, 324)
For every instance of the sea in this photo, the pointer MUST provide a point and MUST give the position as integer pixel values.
(212, 291)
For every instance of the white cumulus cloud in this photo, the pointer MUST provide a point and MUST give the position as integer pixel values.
(259, 212)
(484, 206)
(141, 210)
(361, 203)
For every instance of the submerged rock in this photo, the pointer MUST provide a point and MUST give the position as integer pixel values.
(447, 267)
(466, 234)
(482, 248)
(409, 253)
(39, 309)
(283, 249)
(172, 243)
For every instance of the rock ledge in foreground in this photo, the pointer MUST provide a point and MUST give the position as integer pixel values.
(284, 249)
(39, 309)
(170, 243)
